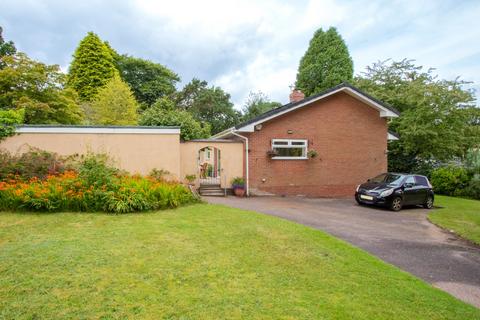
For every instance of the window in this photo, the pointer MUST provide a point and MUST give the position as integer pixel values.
(422, 181)
(410, 180)
(289, 149)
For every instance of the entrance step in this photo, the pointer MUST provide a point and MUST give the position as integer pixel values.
(212, 190)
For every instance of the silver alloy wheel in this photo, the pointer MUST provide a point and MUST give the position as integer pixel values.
(429, 203)
(397, 204)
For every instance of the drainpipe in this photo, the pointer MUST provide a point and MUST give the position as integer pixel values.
(246, 160)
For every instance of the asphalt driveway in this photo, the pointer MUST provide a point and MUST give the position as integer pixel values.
(405, 239)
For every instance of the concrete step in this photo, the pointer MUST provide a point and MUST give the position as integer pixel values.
(213, 193)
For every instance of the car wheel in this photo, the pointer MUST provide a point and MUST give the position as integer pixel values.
(428, 203)
(397, 204)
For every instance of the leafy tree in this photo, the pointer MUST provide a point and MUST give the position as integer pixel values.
(208, 104)
(325, 64)
(8, 120)
(164, 113)
(6, 48)
(439, 119)
(257, 104)
(114, 104)
(39, 90)
(92, 67)
(148, 80)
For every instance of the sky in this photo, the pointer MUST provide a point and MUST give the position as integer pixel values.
(250, 46)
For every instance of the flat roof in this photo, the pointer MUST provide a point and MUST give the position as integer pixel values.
(74, 129)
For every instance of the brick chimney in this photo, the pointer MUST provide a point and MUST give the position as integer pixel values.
(296, 95)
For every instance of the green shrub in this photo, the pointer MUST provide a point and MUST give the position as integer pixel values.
(96, 169)
(449, 180)
(473, 188)
(33, 163)
(159, 174)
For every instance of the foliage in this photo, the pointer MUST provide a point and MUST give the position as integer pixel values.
(312, 153)
(202, 261)
(68, 191)
(6, 48)
(190, 178)
(8, 120)
(96, 169)
(38, 181)
(114, 104)
(38, 89)
(460, 215)
(159, 174)
(92, 67)
(163, 113)
(449, 180)
(326, 63)
(472, 190)
(207, 104)
(257, 103)
(149, 81)
(439, 121)
(238, 182)
(33, 163)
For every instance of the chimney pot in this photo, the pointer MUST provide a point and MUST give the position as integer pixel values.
(296, 95)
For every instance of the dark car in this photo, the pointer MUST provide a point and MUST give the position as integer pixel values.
(394, 190)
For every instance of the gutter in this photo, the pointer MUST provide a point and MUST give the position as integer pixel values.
(246, 159)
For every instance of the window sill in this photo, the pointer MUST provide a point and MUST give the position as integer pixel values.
(289, 158)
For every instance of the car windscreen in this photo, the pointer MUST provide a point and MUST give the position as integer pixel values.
(389, 178)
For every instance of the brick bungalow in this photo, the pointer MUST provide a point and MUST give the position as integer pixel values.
(320, 146)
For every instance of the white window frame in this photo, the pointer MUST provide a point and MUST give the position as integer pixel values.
(289, 146)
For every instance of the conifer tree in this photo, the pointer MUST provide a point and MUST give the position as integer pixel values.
(114, 104)
(92, 67)
(326, 63)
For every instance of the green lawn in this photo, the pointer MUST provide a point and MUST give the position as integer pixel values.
(460, 215)
(199, 262)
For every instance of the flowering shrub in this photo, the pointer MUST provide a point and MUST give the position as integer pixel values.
(67, 191)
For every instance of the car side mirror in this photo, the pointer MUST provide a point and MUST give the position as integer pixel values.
(408, 185)
(368, 180)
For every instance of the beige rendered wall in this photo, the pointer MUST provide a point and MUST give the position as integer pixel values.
(231, 154)
(136, 153)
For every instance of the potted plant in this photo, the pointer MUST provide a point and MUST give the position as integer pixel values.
(312, 154)
(238, 185)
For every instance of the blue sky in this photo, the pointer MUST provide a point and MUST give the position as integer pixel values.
(251, 45)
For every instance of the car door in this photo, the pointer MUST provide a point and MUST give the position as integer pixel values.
(423, 188)
(409, 191)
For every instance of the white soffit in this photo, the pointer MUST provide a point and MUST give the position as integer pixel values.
(97, 130)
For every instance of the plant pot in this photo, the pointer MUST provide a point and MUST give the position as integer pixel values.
(239, 192)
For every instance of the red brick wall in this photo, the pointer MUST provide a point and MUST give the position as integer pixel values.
(349, 136)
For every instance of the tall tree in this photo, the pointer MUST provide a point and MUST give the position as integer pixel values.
(92, 67)
(164, 113)
(208, 104)
(39, 90)
(6, 48)
(439, 120)
(256, 104)
(148, 80)
(114, 104)
(325, 64)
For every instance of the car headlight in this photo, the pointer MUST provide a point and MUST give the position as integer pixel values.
(386, 193)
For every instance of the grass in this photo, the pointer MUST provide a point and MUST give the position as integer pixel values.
(199, 262)
(458, 214)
